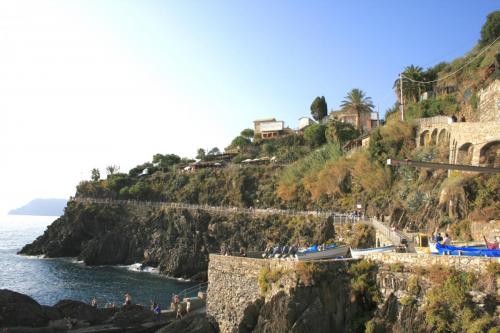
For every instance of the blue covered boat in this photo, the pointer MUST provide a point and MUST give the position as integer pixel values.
(466, 251)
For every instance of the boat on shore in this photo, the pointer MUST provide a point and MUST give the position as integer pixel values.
(360, 253)
(465, 251)
(328, 252)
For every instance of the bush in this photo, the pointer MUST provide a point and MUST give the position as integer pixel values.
(461, 230)
(315, 135)
(449, 307)
(267, 278)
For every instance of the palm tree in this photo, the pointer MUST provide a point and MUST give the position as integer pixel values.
(357, 101)
(411, 90)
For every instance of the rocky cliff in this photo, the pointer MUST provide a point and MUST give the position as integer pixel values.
(176, 241)
(381, 295)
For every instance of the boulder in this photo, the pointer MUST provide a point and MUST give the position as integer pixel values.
(83, 312)
(193, 323)
(20, 310)
(131, 315)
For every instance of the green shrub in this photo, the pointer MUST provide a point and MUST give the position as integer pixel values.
(396, 267)
(449, 307)
(474, 101)
(267, 277)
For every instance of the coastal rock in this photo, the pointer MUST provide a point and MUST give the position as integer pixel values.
(17, 309)
(83, 312)
(194, 323)
(130, 315)
(176, 241)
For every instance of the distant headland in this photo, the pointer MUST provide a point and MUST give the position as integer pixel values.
(41, 207)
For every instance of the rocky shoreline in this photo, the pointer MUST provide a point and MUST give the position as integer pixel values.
(21, 313)
(177, 242)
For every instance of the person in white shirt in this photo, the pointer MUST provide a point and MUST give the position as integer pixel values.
(446, 240)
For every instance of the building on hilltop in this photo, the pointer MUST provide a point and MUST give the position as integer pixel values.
(304, 122)
(365, 122)
(268, 128)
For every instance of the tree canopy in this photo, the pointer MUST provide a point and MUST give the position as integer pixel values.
(315, 134)
(340, 132)
(200, 154)
(95, 175)
(491, 29)
(112, 169)
(319, 109)
(247, 133)
(214, 151)
(356, 101)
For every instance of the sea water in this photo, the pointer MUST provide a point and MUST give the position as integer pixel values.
(51, 280)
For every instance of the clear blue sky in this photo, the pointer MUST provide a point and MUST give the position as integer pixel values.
(91, 83)
(276, 56)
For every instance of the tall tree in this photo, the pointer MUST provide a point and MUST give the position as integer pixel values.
(357, 102)
(214, 151)
(491, 29)
(319, 109)
(200, 154)
(247, 133)
(95, 175)
(411, 90)
(112, 169)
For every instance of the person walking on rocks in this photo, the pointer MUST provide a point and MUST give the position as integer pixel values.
(179, 312)
(128, 299)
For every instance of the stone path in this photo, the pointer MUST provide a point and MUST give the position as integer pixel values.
(338, 218)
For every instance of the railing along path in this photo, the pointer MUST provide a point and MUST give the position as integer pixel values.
(337, 217)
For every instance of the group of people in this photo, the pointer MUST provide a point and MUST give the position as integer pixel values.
(280, 251)
(441, 238)
(445, 239)
(179, 309)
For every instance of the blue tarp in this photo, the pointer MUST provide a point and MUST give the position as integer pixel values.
(467, 251)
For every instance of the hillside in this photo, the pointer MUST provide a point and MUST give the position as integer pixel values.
(41, 207)
(308, 169)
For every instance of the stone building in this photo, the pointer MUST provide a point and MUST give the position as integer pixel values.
(268, 128)
(365, 121)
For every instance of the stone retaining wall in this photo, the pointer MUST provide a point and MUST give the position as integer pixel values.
(468, 264)
(233, 286)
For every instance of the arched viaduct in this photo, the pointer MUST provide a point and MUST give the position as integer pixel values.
(473, 143)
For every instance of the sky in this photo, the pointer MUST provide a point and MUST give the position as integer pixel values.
(86, 84)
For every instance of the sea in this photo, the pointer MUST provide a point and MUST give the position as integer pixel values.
(51, 280)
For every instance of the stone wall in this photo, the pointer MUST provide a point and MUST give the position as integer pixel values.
(468, 264)
(489, 102)
(233, 286)
(458, 135)
(490, 229)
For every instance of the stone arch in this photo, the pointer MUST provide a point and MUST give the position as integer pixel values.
(489, 155)
(443, 137)
(464, 153)
(443, 143)
(424, 137)
(434, 136)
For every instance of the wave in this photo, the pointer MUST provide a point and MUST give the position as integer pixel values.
(137, 267)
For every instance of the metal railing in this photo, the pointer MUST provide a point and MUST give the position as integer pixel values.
(338, 218)
(396, 237)
(193, 291)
